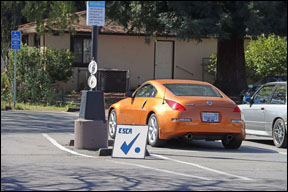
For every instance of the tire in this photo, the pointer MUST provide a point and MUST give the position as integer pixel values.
(279, 134)
(112, 124)
(233, 143)
(153, 132)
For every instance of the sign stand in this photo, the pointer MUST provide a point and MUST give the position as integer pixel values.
(91, 127)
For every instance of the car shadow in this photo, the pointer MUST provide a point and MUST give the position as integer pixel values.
(213, 146)
(262, 141)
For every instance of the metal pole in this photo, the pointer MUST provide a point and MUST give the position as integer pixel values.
(94, 43)
(15, 59)
(94, 46)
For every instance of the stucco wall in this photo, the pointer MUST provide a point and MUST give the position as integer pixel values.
(127, 53)
(57, 42)
(133, 54)
(189, 55)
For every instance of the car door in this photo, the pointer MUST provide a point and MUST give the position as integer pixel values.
(255, 113)
(276, 106)
(135, 111)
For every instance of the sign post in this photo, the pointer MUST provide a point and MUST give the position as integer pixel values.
(91, 127)
(95, 17)
(15, 44)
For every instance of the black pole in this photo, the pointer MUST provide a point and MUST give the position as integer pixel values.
(94, 46)
(94, 43)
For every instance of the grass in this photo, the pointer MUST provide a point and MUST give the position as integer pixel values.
(36, 107)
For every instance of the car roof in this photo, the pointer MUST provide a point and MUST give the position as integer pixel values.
(276, 82)
(179, 81)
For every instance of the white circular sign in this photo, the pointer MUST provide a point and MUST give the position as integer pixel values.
(92, 68)
(92, 81)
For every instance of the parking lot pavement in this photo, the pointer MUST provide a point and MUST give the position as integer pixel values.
(31, 161)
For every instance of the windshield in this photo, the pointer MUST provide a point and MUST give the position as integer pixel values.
(193, 90)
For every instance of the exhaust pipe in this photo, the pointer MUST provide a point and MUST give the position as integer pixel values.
(229, 137)
(188, 136)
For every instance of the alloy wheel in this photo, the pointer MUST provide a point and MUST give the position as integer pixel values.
(112, 124)
(279, 133)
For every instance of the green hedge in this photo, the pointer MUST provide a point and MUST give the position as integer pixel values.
(37, 72)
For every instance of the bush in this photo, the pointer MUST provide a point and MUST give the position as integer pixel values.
(266, 56)
(211, 68)
(37, 73)
(58, 64)
(6, 95)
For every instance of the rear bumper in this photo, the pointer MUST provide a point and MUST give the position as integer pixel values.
(169, 128)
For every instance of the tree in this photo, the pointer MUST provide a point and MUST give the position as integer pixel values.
(228, 21)
(55, 14)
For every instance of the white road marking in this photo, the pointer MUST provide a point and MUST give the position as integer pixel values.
(201, 167)
(54, 142)
(161, 170)
(170, 150)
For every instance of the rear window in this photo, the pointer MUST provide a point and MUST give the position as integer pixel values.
(193, 90)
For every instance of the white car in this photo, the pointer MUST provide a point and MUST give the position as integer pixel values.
(265, 113)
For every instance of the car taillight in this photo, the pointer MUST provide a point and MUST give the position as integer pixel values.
(175, 106)
(236, 109)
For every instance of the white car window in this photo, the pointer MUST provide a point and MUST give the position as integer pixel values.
(263, 94)
(279, 96)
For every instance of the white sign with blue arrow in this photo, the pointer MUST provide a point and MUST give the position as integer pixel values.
(130, 141)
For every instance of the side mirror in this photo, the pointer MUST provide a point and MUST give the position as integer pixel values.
(248, 99)
(128, 94)
(250, 86)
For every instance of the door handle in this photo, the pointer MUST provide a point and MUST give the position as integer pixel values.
(144, 104)
(262, 108)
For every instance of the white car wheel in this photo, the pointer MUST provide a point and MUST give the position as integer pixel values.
(153, 132)
(279, 133)
(112, 124)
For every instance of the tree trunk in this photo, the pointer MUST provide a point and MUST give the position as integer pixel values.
(230, 70)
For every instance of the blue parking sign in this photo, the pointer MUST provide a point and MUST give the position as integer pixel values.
(16, 40)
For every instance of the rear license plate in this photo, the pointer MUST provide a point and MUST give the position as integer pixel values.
(210, 117)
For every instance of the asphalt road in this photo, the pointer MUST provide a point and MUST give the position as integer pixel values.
(35, 155)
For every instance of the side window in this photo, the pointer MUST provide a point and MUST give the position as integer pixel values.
(146, 91)
(279, 96)
(263, 94)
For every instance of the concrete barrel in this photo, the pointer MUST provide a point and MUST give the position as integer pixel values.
(90, 134)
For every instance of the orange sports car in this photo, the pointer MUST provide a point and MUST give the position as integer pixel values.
(175, 108)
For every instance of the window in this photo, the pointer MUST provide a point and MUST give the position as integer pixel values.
(36, 40)
(81, 47)
(25, 39)
(193, 90)
(263, 95)
(146, 91)
(279, 96)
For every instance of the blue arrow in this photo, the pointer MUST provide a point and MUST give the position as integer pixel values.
(125, 148)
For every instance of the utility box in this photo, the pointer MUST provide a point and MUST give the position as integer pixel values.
(113, 80)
